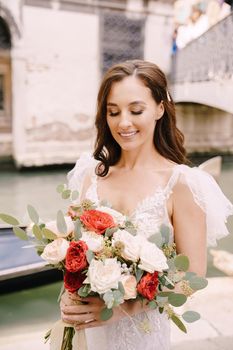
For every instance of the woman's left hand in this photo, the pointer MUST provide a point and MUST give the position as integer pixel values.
(85, 312)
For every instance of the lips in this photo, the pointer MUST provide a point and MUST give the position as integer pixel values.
(128, 133)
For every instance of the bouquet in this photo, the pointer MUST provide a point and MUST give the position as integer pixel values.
(102, 253)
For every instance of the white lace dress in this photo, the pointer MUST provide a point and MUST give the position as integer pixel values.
(149, 214)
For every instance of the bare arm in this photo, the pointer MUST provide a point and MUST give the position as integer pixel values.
(189, 224)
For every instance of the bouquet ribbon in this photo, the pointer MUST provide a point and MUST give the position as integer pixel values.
(79, 341)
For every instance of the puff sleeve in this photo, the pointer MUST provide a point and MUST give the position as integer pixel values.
(75, 177)
(208, 195)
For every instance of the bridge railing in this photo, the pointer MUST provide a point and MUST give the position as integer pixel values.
(207, 58)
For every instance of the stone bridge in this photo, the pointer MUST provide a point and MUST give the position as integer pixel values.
(202, 85)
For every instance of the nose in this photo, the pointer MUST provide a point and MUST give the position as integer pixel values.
(125, 120)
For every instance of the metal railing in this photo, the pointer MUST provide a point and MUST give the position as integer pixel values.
(207, 58)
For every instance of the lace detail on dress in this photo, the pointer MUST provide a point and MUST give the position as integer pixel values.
(149, 214)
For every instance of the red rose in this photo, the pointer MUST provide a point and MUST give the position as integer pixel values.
(148, 284)
(73, 281)
(97, 221)
(76, 256)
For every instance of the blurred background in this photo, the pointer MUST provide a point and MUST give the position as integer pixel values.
(53, 54)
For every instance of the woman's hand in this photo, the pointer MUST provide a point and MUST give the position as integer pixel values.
(85, 312)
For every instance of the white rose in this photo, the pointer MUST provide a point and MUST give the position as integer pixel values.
(55, 251)
(131, 244)
(52, 226)
(104, 275)
(152, 258)
(130, 286)
(118, 218)
(94, 242)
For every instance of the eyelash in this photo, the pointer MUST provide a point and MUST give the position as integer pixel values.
(111, 114)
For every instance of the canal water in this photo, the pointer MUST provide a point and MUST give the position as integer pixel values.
(32, 309)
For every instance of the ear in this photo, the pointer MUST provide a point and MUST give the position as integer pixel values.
(160, 110)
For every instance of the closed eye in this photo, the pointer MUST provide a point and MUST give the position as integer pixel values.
(136, 112)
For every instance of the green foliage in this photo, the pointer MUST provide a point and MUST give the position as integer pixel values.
(74, 195)
(37, 232)
(197, 283)
(33, 215)
(108, 299)
(106, 314)
(60, 188)
(48, 234)
(179, 323)
(61, 223)
(157, 239)
(121, 288)
(90, 255)
(109, 231)
(8, 219)
(152, 304)
(19, 232)
(84, 290)
(191, 316)
(165, 233)
(139, 274)
(77, 230)
(118, 297)
(189, 275)
(66, 194)
(177, 299)
(181, 262)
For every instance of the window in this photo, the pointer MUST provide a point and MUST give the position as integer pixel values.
(122, 38)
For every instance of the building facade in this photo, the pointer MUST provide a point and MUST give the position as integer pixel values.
(52, 57)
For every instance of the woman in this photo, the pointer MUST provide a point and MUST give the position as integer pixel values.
(138, 167)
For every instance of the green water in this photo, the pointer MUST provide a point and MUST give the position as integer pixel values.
(28, 309)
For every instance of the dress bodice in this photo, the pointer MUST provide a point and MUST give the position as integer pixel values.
(149, 214)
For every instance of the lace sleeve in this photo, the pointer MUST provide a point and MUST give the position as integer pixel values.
(208, 195)
(76, 176)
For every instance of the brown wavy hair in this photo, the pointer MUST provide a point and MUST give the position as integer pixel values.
(168, 139)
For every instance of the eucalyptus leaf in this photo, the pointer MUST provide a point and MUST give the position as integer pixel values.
(37, 232)
(48, 233)
(61, 223)
(109, 231)
(108, 299)
(179, 323)
(139, 274)
(191, 316)
(197, 283)
(74, 195)
(77, 230)
(181, 262)
(152, 304)
(189, 275)
(60, 188)
(83, 292)
(8, 219)
(106, 314)
(90, 255)
(33, 214)
(164, 294)
(132, 230)
(121, 288)
(19, 232)
(118, 297)
(176, 299)
(156, 239)
(165, 233)
(66, 194)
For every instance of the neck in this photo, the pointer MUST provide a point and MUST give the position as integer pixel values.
(139, 158)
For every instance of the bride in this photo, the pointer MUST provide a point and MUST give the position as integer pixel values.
(138, 167)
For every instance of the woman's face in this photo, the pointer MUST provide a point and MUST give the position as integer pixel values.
(132, 113)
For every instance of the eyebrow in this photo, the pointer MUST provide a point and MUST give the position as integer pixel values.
(130, 104)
